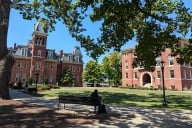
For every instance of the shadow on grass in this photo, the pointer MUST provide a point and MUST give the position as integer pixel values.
(136, 100)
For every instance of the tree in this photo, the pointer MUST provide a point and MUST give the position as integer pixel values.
(50, 12)
(67, 77)
(111, 66)
(92, 73)
(154, 24)
(46, 80)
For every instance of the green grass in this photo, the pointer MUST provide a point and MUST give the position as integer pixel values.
(128, 97)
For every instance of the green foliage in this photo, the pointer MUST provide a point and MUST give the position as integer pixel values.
(111, 67)
(154, 24)
(92, 72)
(67, 77)
(46, 80)
(44, 87)
(30, 81)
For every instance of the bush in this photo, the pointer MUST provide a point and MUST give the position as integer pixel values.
(30, 81)
(46, 80)
(44, 87)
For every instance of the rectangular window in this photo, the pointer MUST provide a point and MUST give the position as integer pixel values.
(171, 60)
(38, 65)
(77, 78)
(184, 74)
(51, 67)
(25, 65)
(24, 77)
(51, 79)
(172, 74)
(126, 64)
(17, 77)
(73, 69)
(78, 69)
(158, 74)
(126, 76)
(135, 75)
(18, 64)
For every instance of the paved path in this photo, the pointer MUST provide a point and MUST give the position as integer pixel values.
(132, 117)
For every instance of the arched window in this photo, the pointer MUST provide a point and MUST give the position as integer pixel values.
(37, 40)
(39, 52)
(43, 40)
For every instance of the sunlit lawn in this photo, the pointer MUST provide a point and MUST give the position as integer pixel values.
(128, 97)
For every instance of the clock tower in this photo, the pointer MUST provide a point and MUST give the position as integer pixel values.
(38, 55)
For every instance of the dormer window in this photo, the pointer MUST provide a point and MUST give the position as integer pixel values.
(24, 52)
(50, 55)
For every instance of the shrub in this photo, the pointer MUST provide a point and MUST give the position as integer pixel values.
(46, 80)
(30, 81)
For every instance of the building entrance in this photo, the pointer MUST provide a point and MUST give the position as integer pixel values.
(146, 79)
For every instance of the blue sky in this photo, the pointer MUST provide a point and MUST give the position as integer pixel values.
(20, 31)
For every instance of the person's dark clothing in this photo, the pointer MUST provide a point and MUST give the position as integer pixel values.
(95, 100)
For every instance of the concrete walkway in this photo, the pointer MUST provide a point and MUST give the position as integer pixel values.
(132, 117)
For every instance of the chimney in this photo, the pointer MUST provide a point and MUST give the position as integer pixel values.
(61, 53)
(15, 45)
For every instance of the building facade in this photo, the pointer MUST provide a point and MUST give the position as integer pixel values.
(176, 76)
(35, 61)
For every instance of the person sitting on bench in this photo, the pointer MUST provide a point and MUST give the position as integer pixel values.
(95, 100)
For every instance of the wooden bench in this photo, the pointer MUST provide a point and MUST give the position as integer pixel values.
(70, 99)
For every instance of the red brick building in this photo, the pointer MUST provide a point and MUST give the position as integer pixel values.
(35, 61)
(176, 76)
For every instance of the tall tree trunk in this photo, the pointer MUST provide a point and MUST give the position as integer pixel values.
(6, 61)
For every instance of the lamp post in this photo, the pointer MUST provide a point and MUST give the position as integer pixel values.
(36, 79)
(162, 71)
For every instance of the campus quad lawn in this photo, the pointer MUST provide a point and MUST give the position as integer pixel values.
(128, 97)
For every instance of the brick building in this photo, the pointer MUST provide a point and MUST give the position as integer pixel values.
(35, 61)
(176, 76)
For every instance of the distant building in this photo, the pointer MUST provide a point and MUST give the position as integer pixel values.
(176, 76)
(34, 61)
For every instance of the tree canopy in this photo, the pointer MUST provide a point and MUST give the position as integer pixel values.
(111, 67)
(67, 77)
(92, 72)
(155, 24)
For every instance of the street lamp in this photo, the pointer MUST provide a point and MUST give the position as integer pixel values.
(162, 71)
(36, 79)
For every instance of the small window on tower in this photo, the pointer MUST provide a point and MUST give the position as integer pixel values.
(43, 41)
(39, 52)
